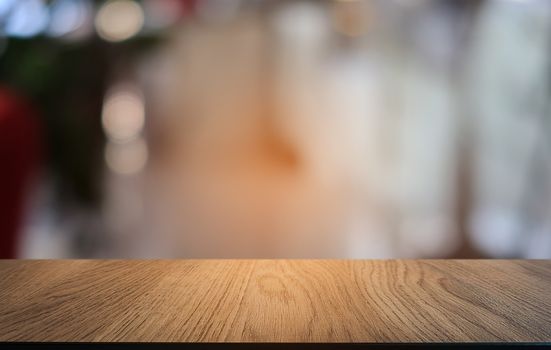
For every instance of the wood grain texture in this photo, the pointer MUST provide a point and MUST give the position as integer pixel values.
(275, 300)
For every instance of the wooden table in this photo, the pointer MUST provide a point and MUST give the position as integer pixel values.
(361, 301)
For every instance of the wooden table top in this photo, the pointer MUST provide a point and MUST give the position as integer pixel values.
(275, 300)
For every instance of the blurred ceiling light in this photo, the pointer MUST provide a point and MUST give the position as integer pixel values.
(123, 114)
(68, 17)
(126, 158)
(118, 20)
(6, 6)
(27, 18)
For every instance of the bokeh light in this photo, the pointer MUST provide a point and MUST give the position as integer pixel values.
(123, 113)
(119, 20)
(69, 18)
(27, 18)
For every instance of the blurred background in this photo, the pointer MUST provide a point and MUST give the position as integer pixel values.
(265, 128)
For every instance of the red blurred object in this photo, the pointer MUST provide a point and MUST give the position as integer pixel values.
(20, 150)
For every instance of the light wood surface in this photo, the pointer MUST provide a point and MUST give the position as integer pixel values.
(275, 300)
